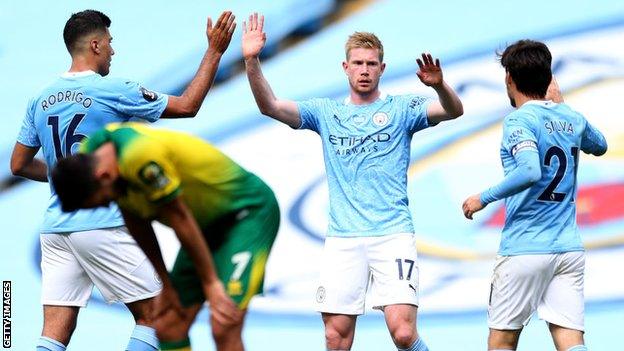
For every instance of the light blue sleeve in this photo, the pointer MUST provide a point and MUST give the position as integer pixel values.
(520, 141)
(415, 108)
(310, 112)
(28, 133)
(526, 173)
(517, 130)
(136, 101)
(593, 142)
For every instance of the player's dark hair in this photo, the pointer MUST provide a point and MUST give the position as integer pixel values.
(528, 63)
(81, 24)
(74, 180)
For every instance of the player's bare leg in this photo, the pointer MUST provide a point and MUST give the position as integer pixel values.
(59, 322)
(503, 339)
(339, 330)
(228, 337)
(565, 338)
(401, 322)
(171, 327)
(141, 311)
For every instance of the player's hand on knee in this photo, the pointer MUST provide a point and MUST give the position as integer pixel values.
(222, 307)
(220, 35)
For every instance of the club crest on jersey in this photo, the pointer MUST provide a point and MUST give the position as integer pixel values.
(148, 94)
(380, 119)
(153, 175)
(320, 294)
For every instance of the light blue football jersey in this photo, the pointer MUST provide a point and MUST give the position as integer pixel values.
(367, 152)
(542, 218)
(71, 108)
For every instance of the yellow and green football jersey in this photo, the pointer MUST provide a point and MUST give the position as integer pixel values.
(160, 164)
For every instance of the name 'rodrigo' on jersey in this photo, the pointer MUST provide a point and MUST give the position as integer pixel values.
(76, 105)
(542, 218)
(367, 152)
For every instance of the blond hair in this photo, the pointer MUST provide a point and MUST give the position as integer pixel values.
(364, 40)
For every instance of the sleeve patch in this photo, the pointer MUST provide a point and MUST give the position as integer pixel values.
(148, 94)
(524, 145)
(417, 101)
(153, 175)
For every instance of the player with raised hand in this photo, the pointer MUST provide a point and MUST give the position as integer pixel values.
(541, 258)
(92, 247)
(366, 144)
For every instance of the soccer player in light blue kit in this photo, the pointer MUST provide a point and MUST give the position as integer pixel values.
(366, 145)
(541, 259)
(87, 247)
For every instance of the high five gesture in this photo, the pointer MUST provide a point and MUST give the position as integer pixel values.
(254, 37)
(220, 35)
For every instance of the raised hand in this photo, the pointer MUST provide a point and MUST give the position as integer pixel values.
(220, 35)
(254, 37)
(554, 93)
(429, 72)
(222, 308)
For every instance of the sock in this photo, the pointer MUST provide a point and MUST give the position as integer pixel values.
(143, 338)
(418, 345)
(181, 345)
(578, 348)
(47, 344)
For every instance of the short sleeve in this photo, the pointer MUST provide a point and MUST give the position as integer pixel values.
(415, 108)
(28, 132)
(137, 101)
(309, 112)
(144, 163)
(518, 133)
(159, 180)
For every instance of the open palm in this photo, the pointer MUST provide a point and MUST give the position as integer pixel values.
(254, 37)
(429, 72)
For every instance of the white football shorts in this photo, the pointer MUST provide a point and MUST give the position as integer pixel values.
(388, 264)
(109, 258)
(552, 284)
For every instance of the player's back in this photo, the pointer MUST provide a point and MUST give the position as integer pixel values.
(64, 113)
(160, 164)
(542, 219)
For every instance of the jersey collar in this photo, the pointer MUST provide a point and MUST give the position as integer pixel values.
(77, 74)
(545, 103)
(382, 97)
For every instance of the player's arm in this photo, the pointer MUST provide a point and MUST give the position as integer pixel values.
(593, 142)
(24, 163)
(179, 217)
(143, 233)
(190, 101)
(526, 173)
(448, 106)
(254, 38)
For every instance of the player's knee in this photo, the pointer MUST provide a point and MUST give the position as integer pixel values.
(404, 336)
(336, 338)
(170, 327)
(226, 335)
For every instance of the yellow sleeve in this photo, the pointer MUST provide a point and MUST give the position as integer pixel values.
(147, 166)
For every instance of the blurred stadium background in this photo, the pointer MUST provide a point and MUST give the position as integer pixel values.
(160, 43)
